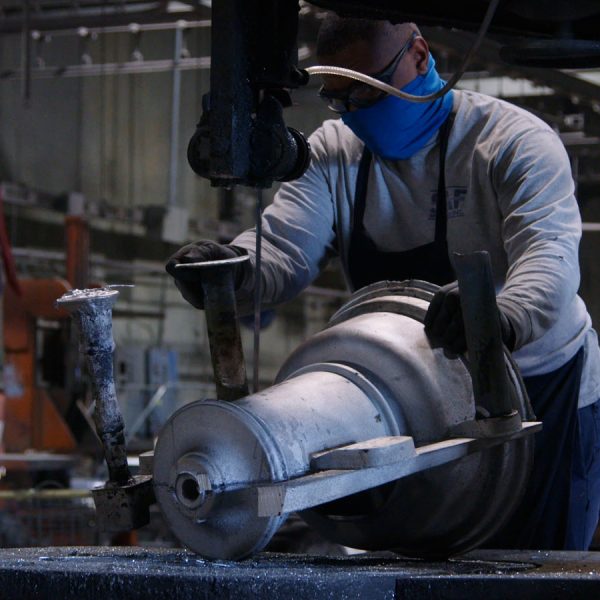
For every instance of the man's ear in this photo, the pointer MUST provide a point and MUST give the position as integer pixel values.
(420, 52)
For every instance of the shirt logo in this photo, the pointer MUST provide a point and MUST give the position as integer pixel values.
(455, 201)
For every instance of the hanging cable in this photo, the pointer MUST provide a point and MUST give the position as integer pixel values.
(257, 290)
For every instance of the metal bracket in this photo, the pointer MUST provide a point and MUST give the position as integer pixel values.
(372, 453)
(318, 488)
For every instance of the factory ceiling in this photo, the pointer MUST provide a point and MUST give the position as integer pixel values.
(569, 100)
(51, 14)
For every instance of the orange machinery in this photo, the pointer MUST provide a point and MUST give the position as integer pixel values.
(33, 419)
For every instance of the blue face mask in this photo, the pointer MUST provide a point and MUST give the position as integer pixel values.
(394, 128)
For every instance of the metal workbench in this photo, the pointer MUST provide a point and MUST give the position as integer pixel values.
(132, 573)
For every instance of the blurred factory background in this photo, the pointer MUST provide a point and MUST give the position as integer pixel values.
(97, 103)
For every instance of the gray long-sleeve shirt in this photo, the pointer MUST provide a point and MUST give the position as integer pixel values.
(510, 192)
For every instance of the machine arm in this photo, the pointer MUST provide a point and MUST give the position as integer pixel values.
(241, 137)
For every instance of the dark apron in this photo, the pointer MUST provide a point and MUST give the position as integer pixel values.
(543, 520)
(367, 264)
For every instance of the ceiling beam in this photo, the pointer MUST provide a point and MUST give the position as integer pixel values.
(562, 82)
(102, 16)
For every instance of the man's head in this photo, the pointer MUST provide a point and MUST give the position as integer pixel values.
(371, 47)
(393, 128)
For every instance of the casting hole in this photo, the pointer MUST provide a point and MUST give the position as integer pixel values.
(190, 490)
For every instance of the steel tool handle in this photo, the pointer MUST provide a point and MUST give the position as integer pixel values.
(227, 355)
(483, 333)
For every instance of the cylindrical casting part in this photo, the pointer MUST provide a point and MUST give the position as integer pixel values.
(210, 446)
(371, 374)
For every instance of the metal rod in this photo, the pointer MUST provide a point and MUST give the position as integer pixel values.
(149, 408)
(227, 355)
(26, 59)
(130, 28)
(105, 15)
(483, 334)
(99, 69)
(125, 68)
(175, 109)
(224, 335)
(257, 291)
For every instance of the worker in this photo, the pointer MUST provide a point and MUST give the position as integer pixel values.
(394, 189)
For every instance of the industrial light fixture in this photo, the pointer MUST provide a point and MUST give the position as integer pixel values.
(177, 7)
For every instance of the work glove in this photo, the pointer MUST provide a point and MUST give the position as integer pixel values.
(188, 282)
(444, 323)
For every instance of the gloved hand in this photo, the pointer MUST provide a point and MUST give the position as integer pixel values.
(203, 251)
(444, 323)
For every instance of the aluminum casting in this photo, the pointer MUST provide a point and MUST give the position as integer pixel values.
(123, 502)
(360, 428)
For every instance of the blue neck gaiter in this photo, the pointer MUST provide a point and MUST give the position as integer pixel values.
(394, 128)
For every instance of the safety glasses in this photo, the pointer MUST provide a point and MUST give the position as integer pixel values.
(363, 95)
